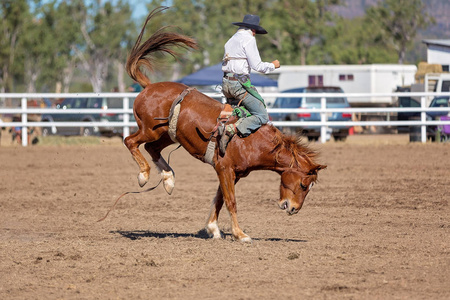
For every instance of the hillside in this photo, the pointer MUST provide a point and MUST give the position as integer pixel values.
(439, 9)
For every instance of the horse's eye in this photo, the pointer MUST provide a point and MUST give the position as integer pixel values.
(303, 187)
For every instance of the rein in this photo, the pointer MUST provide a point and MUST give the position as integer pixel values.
(138, 192)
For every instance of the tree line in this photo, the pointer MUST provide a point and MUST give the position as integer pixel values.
(72, 45)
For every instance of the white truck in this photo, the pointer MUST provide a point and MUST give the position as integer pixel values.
(366, 79)
(374, 78)
(432, 82)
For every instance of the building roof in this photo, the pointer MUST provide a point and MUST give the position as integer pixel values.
(445, 43)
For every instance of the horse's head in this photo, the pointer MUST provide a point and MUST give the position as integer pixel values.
(298, 169)
(295, 186)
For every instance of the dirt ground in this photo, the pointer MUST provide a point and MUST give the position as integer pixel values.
(376, 226)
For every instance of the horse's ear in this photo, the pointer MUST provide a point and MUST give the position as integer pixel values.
(321, 167)
(316, 169)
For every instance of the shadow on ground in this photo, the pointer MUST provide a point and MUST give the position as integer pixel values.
(201, 234)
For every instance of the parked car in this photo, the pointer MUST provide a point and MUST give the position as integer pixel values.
(86, 103)
(437, 115)
(407, 101)
(313, 132)
(439, 102)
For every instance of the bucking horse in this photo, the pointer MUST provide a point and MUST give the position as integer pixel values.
(170, 112)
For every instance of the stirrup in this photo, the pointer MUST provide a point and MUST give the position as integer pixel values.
(221, 130)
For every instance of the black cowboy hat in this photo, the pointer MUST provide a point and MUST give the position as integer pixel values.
(252, 22)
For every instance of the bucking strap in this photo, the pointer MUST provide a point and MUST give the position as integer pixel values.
(174, 113)
(178, 100)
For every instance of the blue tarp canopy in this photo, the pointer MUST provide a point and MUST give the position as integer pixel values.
(213, 76)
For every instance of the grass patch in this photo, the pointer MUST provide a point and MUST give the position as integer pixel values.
(68, 140)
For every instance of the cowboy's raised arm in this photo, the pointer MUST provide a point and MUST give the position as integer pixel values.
(254, 59)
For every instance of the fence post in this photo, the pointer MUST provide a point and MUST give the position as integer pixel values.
(423, 118)
(24, 122)
(323, 119)
(126, 118)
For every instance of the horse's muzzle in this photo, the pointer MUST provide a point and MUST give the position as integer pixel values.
(290, 210)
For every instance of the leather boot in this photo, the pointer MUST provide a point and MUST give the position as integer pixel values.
(225, 138)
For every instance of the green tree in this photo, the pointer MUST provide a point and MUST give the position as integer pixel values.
(207, 21)
(64, 22)
(13, 14)
(36, 56)
(399, 21)
(105, 29)
(47, 43)
(299, 25)
(348, 42)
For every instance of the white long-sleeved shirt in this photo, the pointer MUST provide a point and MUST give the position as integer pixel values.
(243, 52)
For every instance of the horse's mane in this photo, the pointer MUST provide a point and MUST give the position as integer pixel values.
(297, 149)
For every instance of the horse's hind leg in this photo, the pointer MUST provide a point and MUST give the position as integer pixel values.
(154, 149)
(132, 142)
(211, 227)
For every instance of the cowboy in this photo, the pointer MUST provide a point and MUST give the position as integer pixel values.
(242, 55)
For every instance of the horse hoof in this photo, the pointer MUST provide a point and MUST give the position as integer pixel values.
(142, 179)
(246, 239)
(213, 230)
(169, 181)
(243, 238)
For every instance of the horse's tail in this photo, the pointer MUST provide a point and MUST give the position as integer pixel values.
(160, 41)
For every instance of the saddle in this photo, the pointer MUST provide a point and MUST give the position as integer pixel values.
(229, 115)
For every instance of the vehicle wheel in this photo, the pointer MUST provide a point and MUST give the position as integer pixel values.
(87, 131)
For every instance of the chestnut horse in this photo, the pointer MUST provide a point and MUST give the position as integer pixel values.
(265, 149)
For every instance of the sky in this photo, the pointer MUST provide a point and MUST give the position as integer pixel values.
(138, 7)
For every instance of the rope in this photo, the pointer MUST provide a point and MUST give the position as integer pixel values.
(138, 192)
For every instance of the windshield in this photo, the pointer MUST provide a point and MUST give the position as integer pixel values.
(440, 102)
(337, 100)
(67, 103)
(333, 100)
(115, 103)
(287, 103)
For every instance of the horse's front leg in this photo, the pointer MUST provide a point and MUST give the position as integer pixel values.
(227, 183)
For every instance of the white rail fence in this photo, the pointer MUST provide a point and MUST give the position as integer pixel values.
(24, 111)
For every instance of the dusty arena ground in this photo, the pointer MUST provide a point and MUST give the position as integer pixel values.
(376, 226)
